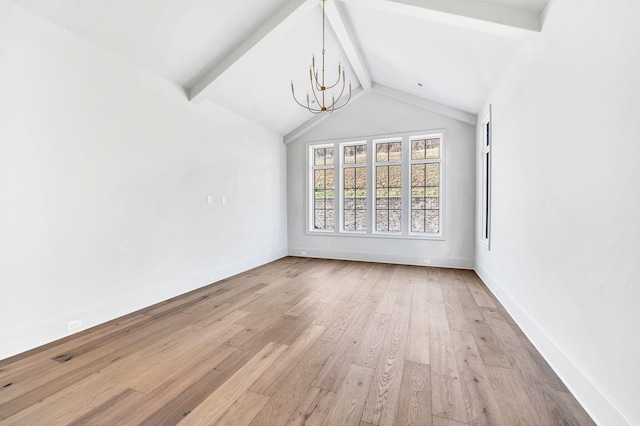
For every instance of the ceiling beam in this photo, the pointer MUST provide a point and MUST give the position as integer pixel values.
(438, 108)
(279, 22)
(349, 46)
(504, 21)
(317, 119)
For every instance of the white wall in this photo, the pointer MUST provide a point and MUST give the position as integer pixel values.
(105, 171)
(374, 114)
(565, 254)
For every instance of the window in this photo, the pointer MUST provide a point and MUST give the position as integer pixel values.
(354, 172)
(389, 186)
(425, 185)
(323, 188)
(486, 179)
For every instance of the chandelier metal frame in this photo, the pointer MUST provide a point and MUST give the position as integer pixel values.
(318, 86)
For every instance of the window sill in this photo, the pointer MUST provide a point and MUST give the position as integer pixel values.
(431, 237)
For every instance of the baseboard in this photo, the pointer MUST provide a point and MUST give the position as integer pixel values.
(601, 409)
(382, 258)
(16, 341)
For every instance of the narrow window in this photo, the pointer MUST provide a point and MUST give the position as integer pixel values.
(425, 186)
(388, 186)
(486, 179)
(324, 189)
(354, 202)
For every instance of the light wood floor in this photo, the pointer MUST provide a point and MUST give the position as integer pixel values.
(299, 341)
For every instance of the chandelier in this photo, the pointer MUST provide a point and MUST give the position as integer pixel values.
(319, 87)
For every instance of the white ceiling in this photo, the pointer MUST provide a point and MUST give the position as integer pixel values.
(243, 54)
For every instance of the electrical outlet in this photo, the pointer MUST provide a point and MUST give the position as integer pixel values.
(212, 277)
(209, 199)
(72, 325)
(427, 262)
(304, 253)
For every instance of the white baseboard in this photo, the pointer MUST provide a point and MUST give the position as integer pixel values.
(382, 258)
(16, 341)
(601, 409)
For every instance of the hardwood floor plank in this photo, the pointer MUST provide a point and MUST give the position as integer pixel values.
(480, 294)
(489, 345)
(351, 397)
(365, 343)
(185, 386)
(382, 402)
(414, 408)
(83, 363)
(288, 361)
(476, 388)
(418, 341)
(333, 372)
(112, 411)
(441, 421)
(287, 392)
(368, 352)
(446, 391)
(572, 407)
(243, 410)
(178, 355)
(212, 408)
(335, 332)
(388, 302)
(328, 315)
(512, 399)
(313, 408)
(171, 407)
(471, 309)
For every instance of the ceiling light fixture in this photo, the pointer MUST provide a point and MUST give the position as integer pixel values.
(318, 86)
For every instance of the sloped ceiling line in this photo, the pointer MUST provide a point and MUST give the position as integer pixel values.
(280, 21)
(471, 14)
(426, 104)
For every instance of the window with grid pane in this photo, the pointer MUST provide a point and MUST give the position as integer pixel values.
(324, 189)
(388, 186)
(425, 185)
(354, 191)
(382, 186)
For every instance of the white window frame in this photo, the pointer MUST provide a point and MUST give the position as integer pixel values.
(374, 185)
(440, 162)
(340, 190)
(487, 165)
(371, 183)
(311, 167)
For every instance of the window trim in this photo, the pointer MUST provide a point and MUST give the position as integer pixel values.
(405, 233)
(374, 185)
(340, 189)
(486, 149)
(311, 167)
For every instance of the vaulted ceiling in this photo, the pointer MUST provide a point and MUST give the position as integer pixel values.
(445, 55)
